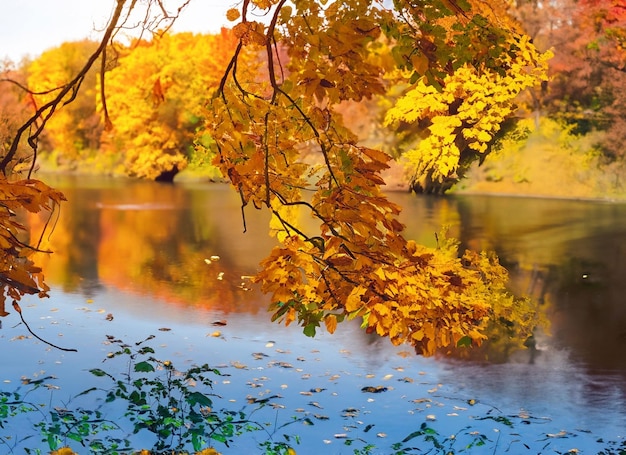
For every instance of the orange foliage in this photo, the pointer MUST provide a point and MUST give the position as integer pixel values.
(18, 273)
(358, 265)
(75, 127)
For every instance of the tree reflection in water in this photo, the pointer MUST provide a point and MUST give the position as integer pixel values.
(145, 249)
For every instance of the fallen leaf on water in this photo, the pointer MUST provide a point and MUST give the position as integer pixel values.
(220, 323)
(315, 404)
(109, 317)
(164, 329)
(374, 389)
(269, 344)
(406, 379)
(431, 417)
(387, 377)
(321, 417)
(216, 334)
(239, 365)
(381, 435)
(341, 435)
(560, 434)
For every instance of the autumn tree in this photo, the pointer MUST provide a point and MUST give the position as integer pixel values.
(588, 71)
(452, 114)
(19, 275)
(76, 126)
(462, 68)
(156, 94)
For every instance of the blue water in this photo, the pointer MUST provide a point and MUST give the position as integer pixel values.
(552, 401)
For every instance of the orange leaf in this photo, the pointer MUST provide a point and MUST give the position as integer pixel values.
(331, 323)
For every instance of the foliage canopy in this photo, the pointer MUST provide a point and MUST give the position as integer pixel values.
(461, 66)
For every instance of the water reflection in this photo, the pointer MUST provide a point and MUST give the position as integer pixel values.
(139, 251)
(152, 239)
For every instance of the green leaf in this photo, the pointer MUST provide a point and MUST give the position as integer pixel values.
(464, 342)
(144, 367)
(75, 436)
(85, 392)
(413, 435)
(197, 397)
(309, 330)
(98, 372)
(146, 350)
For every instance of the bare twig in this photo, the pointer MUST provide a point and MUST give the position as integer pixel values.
(19, 310)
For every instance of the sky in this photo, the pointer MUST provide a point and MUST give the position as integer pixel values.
(29, 27)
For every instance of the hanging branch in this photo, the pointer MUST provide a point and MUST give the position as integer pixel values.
(19, 311)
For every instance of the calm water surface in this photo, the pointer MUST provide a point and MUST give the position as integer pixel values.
(132, 259)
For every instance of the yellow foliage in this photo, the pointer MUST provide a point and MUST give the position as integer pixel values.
(232, 14)
(74, 127)
(468, 110)
(63, 451)
(156, 96)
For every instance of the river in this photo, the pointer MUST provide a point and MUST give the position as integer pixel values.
(169, 264)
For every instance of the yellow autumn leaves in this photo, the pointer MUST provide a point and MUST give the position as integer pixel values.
(281, 141)
(469, 109)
